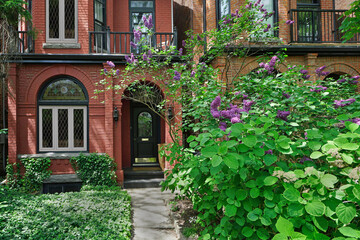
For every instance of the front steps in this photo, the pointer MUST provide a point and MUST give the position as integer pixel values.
(143, 177)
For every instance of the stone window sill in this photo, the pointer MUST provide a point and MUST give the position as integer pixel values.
(61, 45)
(53, 155)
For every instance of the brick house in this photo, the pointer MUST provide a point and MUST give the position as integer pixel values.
(313, 40)
(51, 107)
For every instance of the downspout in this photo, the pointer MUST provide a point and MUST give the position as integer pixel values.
(4, 120)
(204, 23)
(334, 5)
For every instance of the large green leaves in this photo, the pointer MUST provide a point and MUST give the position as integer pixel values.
(345, 213)
(250, 140)
(328, 180)
(315, 208)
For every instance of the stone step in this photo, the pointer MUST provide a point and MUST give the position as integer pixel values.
(134, 175)
(143, 183)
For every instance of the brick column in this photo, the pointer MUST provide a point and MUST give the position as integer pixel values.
(310, 61)
(118, 145)
(12, 114)
(109, 120)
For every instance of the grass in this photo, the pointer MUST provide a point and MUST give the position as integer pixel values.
(93, 213)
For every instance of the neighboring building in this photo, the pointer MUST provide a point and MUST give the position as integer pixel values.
(51, 107)
(313, 39)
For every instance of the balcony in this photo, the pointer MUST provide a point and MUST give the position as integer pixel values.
(107, 42)
(21, 43)
(317, 26)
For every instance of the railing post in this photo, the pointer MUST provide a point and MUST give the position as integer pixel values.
(175, 37)
(291, 26)
(108, 39)
(90, 42)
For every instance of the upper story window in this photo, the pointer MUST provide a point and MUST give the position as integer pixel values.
(308, 21)
(63, 106)
(139, 10)
(222, 9)
(61, 21)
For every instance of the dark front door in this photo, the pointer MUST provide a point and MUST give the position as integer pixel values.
(145, 125)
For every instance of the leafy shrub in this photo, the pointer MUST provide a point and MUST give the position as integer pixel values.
(89, 214)
(95, 169)
(36, 171)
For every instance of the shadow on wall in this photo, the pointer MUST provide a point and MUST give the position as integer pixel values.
(182, 21)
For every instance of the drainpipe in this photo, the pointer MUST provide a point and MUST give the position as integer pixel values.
(204, 23)
(333, 4)
(4, 120)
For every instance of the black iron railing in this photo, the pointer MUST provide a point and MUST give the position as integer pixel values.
(317, 26)
(22, 42)
(119, 42)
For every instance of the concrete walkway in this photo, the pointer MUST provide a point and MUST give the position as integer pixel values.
(151, 216)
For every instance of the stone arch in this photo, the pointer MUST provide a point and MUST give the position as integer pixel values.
(340, 68)
(251, 66)
(57, 70)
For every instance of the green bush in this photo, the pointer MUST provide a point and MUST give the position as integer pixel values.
(36, 171)
(89, 214)
(95, 169)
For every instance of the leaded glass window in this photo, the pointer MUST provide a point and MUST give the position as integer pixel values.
(63, 116)
(61, 20)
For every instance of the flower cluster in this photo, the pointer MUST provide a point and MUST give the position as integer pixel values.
(131, 58)
(289, 22)
(318, 89)
(353, 80)
(305, 74)
(283, 115)
(148, 22)
(286, 95)
(270, 66)
(320, 71)
(177, 75)
(110, 63)
(343, 102)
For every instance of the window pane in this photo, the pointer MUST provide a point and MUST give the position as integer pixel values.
(63, 128)
(99, 16)
(53, 18)
(224, 8)
(142, 4)
(78, 127)
(47, 128)
(70, 19)
(144, 125)
(63, 89)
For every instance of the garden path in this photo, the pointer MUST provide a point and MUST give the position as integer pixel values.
(151, 217)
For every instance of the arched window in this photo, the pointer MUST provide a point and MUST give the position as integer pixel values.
(63, 119)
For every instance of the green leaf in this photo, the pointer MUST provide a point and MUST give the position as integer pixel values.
(297, 236)
(254, 192)
(314, 145)
(280, 236)
(345, 214)
(250, 140)
(316, 155)
(269, 159)
(270, 180)
(241, 194)
(247, 232)
(321, 223)
(191, 138)
(291, 194)
(315, 208)
(259, 152)
(343, 117)
(295, 210)
(223, 150)
(209, 151)
(356, 191)
(252, 216)
(347, 158)
(193, 144)
(231, 162)
(350, 232)
(352, 127)
(269, 194)
(216, 161)
(328, 180)
(262, 233)
(284, 226)
(328, 146)
(350, 146)
(231, 143)
(230, 210)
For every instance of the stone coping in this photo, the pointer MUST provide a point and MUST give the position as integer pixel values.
(63, 178)
(53, 155)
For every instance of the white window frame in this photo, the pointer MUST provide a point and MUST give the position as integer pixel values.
(55, 144)
(62, 38)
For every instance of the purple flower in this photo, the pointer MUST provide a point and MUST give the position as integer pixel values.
(354, 82)
(341, 80)
(180, 51)
(306, 76)
(304, 158)
(289, 22)
(261, 64)
(343, 102)
(223, 126)
(199, 38)
(283, 115)
(318, 89)
(294, 66)
(303, 71)
(267, 28)
(356, 77)
(177, 75)
(273, 61)
(117, 72)
(183, 43)
(319, 71)
(324, 73)
(269, 152)
(245, 96)
(150, 54)
(356, 120)
(132, 44)
(235, 120)
(145, 57)
(148, 22)
(305, 134)
(106, 72)
(248, 6)
(137, 35)
(236, 93)
(192, 74)
(286, 95)
(111, 64)
(247, 104)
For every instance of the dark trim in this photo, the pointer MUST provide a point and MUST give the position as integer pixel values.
(204, 23)
(40, 102)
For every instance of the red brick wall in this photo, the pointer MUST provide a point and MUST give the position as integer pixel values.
(343, 4)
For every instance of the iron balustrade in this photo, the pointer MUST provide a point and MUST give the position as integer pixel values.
(24, 43)
(119, 42)
(317, 26)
